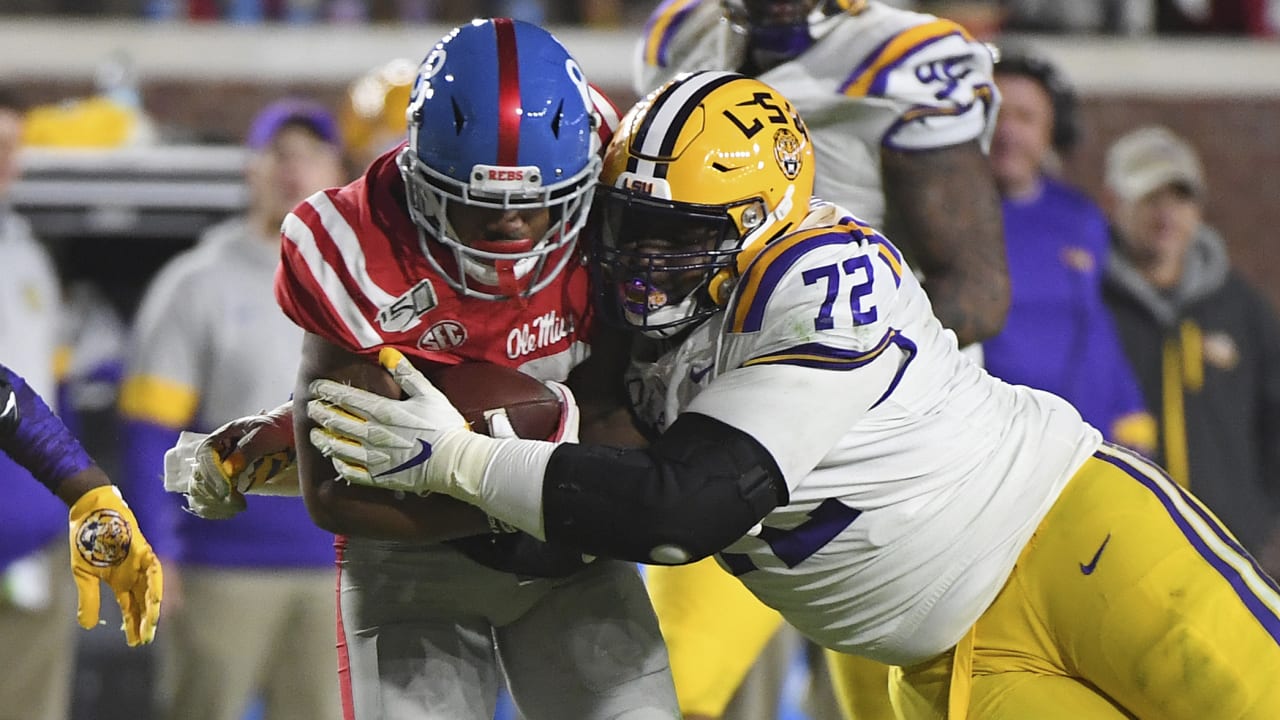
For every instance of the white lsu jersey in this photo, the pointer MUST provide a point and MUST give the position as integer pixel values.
(875, 77)
(915, 477)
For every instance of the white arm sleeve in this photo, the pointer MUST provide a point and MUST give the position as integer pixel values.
(511, 489)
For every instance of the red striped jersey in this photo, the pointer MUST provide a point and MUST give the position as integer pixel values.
(353, 272)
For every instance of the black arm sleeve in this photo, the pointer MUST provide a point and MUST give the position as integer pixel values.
(701, 486)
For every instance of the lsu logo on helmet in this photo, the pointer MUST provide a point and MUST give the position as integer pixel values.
(787, 150)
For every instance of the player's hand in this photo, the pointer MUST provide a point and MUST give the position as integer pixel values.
(107, 546)
(421, 444)
(194, 469)
(249, 455)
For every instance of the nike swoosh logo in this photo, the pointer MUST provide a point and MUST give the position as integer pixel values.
(424, 454)
(696, 374)
(1093, 563)
(9, 405)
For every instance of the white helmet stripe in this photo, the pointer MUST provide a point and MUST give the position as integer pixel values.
(657, 135)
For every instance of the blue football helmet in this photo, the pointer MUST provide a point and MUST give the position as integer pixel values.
(500, 117)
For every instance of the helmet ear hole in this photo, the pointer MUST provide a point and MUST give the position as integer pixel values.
(752, 216)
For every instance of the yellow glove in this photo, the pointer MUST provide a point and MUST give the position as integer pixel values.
(107, 545)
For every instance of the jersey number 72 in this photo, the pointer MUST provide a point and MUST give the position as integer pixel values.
(859, 269)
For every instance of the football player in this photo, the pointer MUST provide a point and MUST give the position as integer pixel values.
(825, 439)
(901, 106)
(458, 246)
(106, 544)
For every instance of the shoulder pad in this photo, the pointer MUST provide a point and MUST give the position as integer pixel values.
(819, 297)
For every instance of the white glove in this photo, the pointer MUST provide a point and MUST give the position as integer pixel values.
(252, 455)
(187, 471)
(418, 445)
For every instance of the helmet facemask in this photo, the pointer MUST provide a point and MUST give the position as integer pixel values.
(661, 262)
(502, 269)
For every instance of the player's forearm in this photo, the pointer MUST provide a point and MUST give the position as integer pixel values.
(363, 512)
(76, 485)
(972, 304)
(700, 487)
(38, 440)
(344, 509)
(944, 210)
(605, 416)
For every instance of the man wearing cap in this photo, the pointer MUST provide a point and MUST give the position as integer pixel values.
(1204, 343)
(250, 607)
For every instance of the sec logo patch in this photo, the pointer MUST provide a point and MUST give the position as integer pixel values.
(444, 335)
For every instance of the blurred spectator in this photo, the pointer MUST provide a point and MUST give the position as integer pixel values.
(1205, 344)
(1130, 17)
(250, 607)
(37, 602)
(1059, 335)
(594, 13)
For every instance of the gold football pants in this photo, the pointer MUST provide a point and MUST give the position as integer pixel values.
(1131, 600)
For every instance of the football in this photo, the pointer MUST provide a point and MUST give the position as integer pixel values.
(479, 389)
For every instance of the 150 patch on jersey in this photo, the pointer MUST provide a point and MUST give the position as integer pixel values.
(408, 309)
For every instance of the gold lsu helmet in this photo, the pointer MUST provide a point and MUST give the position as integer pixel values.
(373, 119)
(700, 176)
